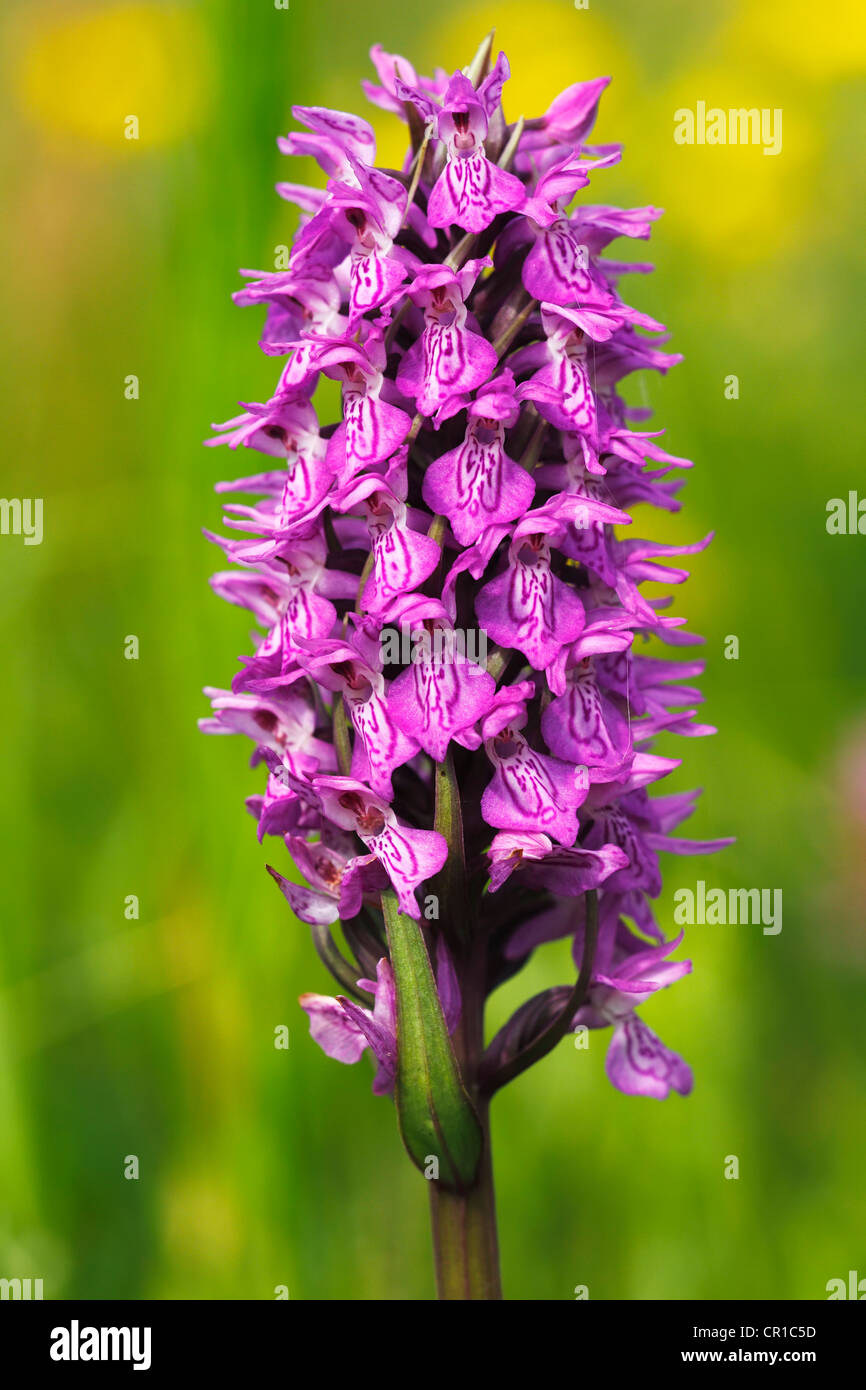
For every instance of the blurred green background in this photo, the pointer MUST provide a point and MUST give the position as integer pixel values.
(154, 1036)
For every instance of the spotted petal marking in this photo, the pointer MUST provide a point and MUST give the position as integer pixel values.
(639, 1064)
(386, 746)
(409, 857)
(471, 191)
(556, 268)
(374, 429)
(373, 277)
(583, 727)
(454, 360)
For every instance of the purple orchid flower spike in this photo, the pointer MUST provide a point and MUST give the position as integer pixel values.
(450, 698)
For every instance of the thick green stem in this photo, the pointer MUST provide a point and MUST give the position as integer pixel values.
(465, 1245)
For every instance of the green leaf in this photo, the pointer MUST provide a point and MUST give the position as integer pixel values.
(342, 741)
(450, 882)
(480, 65)
(435, 1114)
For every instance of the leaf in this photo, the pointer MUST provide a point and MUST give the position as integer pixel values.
(342, 741)
(450, 882)
(435, 1114)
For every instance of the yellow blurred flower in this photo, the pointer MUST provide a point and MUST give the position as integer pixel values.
(87, 73)
(731, 198)
(821, 42)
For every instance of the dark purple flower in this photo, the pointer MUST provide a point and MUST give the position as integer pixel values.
(471, 190)
(448, 358)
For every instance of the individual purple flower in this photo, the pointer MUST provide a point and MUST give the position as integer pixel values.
(558, 268)
(285, 428)
(335, 139)
(584, 725)
(282, 721)
(528, 606)
(408, 856)
(324, 864)
(529, 789)
(471, 190)
(392, 68)
(566, 122)
(402, 557)
(638, 1062)
(442, 693)
(344, 1030)
(448, 358)
(300, 302)
(477, 484)
(382, 745)
(371, 428)
(542, 864)
(369, 213)
(301, 588)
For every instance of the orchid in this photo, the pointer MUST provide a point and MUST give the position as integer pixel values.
(448, 812)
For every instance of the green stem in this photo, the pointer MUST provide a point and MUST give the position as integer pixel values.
(465, 1241)
(465, 1245)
